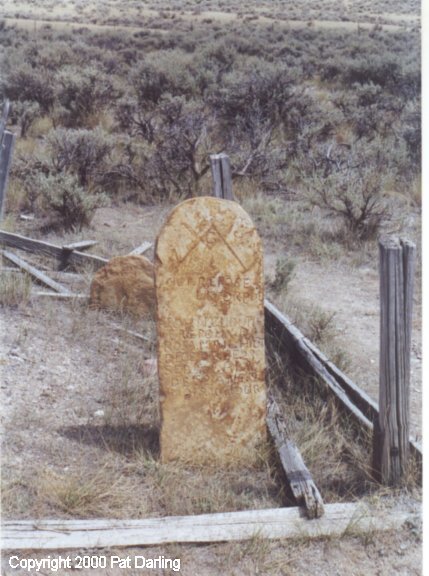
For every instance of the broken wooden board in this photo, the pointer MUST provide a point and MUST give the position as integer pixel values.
(35, 273)
(141, 249)
(58, 296)
(40, 247)
(338, 520)
(298, 476)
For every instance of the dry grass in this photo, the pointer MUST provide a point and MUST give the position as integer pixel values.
(102, 492)
(15, 288)
(337, 452)
(176, 489)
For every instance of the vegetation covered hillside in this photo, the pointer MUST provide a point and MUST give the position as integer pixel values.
(126, 101)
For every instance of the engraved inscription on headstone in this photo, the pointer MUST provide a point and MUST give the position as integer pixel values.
(211, 358)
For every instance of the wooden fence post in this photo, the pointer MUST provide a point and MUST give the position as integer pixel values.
(7, 140)
(391, 428)
(3, 119)
(6, 151)
(222, 178)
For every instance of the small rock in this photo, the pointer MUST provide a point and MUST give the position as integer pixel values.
(99, 413)
(126, 284)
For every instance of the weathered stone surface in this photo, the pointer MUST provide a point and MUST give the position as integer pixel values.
(211, 358)
(125, 284)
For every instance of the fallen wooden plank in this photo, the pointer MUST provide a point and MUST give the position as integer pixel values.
(130, 332)
(354, 400)
(7, 269)
(62, 296)
(338, 520)
(40, 247)
(141, 249)
(81, 245)
(294, 341)
(359, 397)
(300, 480)
(35, 273)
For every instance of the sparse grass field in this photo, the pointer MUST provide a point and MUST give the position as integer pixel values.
(117, 105)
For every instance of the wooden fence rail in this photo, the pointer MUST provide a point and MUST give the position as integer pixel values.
(339, 520)
(59, 252)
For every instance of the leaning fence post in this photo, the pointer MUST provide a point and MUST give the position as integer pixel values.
(391, 429)
(7, 140)
(222, 179)
(6, 151)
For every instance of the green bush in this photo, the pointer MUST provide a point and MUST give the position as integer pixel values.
(24, 83)
(25, 113)
(83, 153)
(283, 274)
(82, 93)
(70, 206)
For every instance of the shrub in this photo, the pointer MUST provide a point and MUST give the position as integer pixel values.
(83, 153)
(81, 93)
(25, 113)
(345, 184)
(283, 274)
(72, 206)
(24, 83)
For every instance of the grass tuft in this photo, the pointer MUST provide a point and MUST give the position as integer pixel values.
(15, 288)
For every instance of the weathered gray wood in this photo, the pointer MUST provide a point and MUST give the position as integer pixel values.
(391, 433)
(350, 397)
(3, 118)
(222, 177)
(37, 246)
(8, 270)
(141, 249)
(294, 342)
(338, 520)
(26, 217)
(130, 332)
(81, 245)
(359, 397)
(298, 476)
(35, 273)
(6, 152)
(68, 249)
(60, 296)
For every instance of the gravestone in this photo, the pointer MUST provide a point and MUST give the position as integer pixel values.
(210, 313)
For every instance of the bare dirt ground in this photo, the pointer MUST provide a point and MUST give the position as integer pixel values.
(68, 401)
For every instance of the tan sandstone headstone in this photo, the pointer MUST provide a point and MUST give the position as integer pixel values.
(125, 284)
(211, 357)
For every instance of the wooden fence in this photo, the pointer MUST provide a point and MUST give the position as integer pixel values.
(389, 420)
(311, 518)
